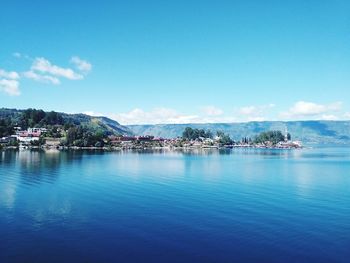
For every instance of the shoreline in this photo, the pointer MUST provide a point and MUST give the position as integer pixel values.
(114, 148)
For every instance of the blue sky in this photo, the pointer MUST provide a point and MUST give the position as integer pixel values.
(178, 61)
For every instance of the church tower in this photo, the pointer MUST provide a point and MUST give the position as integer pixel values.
(286, 134)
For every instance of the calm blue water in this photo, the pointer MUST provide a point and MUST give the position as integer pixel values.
(228, 206)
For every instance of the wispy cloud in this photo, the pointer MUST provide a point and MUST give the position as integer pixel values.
(162, 115)
(248, 110)
(254, 112)
(21, 56)
(212, 111)
(155, 116)
(347, 115)
(9, 83)
(329, 117)
(10, 87)
(8, 74)
(82, 65)
(93, 113)
(43, 65)
(41, 78)
(42, 70)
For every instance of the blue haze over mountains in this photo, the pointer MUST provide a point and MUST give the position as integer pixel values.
(309, 132)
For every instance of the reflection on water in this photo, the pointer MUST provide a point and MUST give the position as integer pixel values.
(201, 205)
(212, 151)
(36, 166)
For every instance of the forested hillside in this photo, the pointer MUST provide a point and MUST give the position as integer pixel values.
(309, 132)
(10, 118)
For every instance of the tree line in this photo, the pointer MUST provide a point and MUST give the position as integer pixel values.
(271, 136)
(39, 118)
(222, 138)
(200, 134)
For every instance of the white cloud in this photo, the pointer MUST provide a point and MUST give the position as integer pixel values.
(10, 87)
(41, 70)
(258, 118)
(8, 74)
(212, 111)
(347, 115)
(329, 117)
(255, 110)
(217, 119)
(302, 109)
(9, 82)
(21, 56)
(42, 65)
(44, 71)
(41, 78)
(81, 64)
(156, 116)
(254, 113)
(249, 110)
(93, 113)
(163, 116)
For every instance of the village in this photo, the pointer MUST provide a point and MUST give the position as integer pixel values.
(36, 138)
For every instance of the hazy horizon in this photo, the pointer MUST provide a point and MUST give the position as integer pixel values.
(189, 123)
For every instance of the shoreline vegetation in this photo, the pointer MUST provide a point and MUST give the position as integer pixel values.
(36, 129)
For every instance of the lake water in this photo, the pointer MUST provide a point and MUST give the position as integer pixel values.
(210, 206)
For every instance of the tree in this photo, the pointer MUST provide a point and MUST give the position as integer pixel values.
(220, 133)
(6, 127)
(194, 134)
(208, 134)
(53, 118)
(224, 139)
(188, 133)
(71, 135)
(270, 136)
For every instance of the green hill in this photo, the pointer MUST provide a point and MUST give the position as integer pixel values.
(38, 118)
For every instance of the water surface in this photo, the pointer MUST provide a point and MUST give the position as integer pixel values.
(208, 206)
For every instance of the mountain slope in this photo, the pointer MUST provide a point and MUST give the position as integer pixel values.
(309, 132)
(58, 118)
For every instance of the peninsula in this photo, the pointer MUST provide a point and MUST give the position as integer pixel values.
(34, 129)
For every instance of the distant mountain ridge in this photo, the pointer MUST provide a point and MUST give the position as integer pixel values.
(309, 132)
